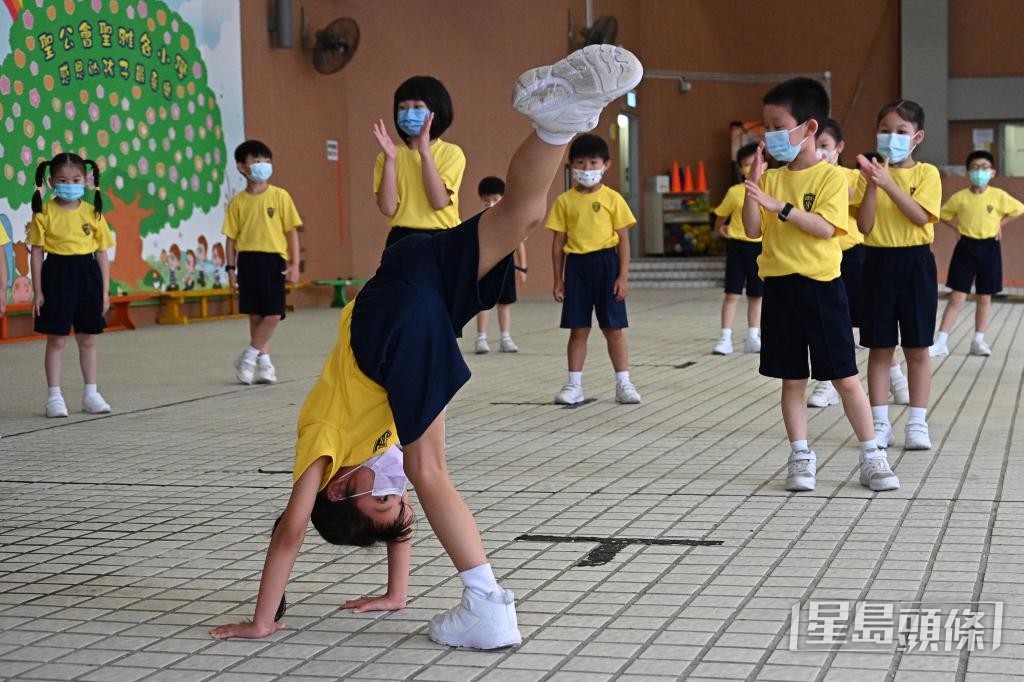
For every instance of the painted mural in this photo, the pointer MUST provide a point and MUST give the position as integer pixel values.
(152, 91)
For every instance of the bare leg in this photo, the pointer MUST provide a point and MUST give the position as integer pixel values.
(254, 322)
(482, 318)
(794, 408)
(982, 312)
(505, 317)
(449, 517)
(879, 362)
(729, 309)
(618, 352)
(754, 311)
(54, 359)
(577, 349)
(87, 356)
(856, 406)
(264, 330)
(530, 173)
(953, 305)
(919, 373)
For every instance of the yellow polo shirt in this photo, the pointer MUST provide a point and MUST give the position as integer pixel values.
(892, 228)
(260, 222)
(979, 214)
(590, 220)
(414, 209)
(787, 249)
(853, 236)
(69, 232)
(732, 208)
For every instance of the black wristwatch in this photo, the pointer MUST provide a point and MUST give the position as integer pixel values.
(229, 268)
(522, 270)
(784, 213)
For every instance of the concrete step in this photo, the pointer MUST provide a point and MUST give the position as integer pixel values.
(677, 273)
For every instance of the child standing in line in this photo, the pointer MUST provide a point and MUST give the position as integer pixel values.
(590, 254)
(741, 254)
(4, 240)
(978, 213)
(801, 209)
(261, 226)
(830, 147)
(899, 201)
(71, 285)
(491, 189)
(417, 183)
(397, 365)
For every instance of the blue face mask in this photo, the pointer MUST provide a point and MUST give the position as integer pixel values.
(67, 191)
(260, 171)
(894, 146)
(777, 144)
(979, 178)
(411, 121)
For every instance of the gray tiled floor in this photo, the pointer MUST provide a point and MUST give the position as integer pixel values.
(124, 538)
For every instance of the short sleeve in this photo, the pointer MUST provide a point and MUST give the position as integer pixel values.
(231, 222)
(950, 208)
(37, 229)
(928, 193)
(622, 216)
(728, 205)
(557, 219)
(1010, 206)
(451, 166)
(289, 214)
(378, 172)
(833, 201)
(858, 191)
(104, 237)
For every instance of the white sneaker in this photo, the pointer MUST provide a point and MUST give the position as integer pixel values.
(265, 373)
(900, 389)
(883, 434)
(508, 346)
(571, 394)
(481, 346)
(823, 395)
(917, 437)
(752, 344)
(723, 347)
(980, 348)
(245, 369)
(875, 472)
(802, 468)
(938, 350)
(626, 393)
(479, 622)
(94, 404)
(567, 97)
(56, 407)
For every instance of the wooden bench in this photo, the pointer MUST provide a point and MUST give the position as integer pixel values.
(340, 300)
(119, 316)
(173, 300)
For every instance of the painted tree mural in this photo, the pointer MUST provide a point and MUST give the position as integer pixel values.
(121, 82)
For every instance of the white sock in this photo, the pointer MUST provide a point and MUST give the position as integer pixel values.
(799, 446)
(880, 413)
(251, 352)
(895, 372)
(54, 392)
(868, 447)
(90, 389)
(265, 359)
(557, 139)
(917, 415)
(753, 332)
(979, 337)
(506, 336)
(622, 377)
(943, 338)
(726, 333)
(481, 335)
(480, 579)
(576, 378)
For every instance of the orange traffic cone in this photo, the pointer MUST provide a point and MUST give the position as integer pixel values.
(702, 180)
(677, 185)
(688, 179)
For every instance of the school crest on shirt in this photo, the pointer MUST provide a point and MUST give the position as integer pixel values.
(382, 441)
(990, 208)
(596, 205)
(86, 230)
(808, 201)
(270, 211)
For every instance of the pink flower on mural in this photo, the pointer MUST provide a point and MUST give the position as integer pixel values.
(5, 85)
(33, 97)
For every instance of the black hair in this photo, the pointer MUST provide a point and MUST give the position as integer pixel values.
(980, 154)
(341, 523)
(907, 110)
(432, 93)
(54, 165)
(832, 128)
(746, 151)
(491, 185)
(805, 98)
(253, 148)
(588, 146)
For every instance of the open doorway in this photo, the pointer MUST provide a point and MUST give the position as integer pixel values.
(630, 183)
(1012, 157)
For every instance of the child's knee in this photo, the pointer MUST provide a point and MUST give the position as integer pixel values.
(425, 467)
(847, 384)
(87, 341)
(56, 342)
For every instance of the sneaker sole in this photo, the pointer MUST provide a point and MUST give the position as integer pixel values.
(718, 352)
(917, 446)
(509, 351)
(628, 402)
(564, 402)
(938, 354)
(502, 641)
(597, 72)
(799, 489)
(880, 489)
(88, 411)
(829, 403)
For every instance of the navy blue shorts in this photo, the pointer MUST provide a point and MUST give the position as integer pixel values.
(800, 317)
(901, 297)
(852, 269)
(978, 262)
(398, 233)
(72, 296)
(741, 268)
(407, 317)
(508, 288)
(261, 283)
(589, 281)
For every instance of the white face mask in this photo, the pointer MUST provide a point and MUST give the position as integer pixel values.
(827, 155)
(388, 474)
(587, 178)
